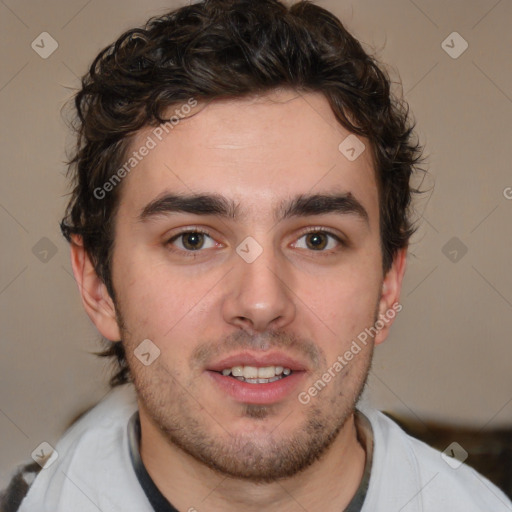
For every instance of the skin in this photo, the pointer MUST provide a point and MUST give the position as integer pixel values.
(203, 448)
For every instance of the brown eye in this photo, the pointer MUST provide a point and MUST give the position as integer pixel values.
(319, 241)
(193, 241)
(190, 241)
(316, 241)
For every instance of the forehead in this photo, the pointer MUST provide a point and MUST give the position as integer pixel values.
(253, 150)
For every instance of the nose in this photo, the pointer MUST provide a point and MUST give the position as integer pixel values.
(258, 297)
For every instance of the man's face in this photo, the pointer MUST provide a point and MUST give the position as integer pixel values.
(213, 299)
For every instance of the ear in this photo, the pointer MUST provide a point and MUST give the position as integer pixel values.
(96, 300)
(389, 304)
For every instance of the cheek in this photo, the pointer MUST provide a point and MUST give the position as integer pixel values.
(346, 301)
(157, 303)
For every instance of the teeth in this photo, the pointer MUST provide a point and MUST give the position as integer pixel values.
(250, 372)
(267, 372)
(237, 371)
(256, 375)
(260, 381)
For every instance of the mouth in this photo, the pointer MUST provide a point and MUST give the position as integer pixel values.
(257, 379)
(255, 375)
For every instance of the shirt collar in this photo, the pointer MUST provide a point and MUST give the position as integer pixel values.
(160, 503)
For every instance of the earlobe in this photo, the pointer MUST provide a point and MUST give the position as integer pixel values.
(389, 304)
(96, 300)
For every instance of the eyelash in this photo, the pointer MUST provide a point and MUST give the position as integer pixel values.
(194, 254)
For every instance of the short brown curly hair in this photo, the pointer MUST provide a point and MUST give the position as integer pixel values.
(227, 49)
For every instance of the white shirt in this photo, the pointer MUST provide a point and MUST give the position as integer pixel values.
(93, 471)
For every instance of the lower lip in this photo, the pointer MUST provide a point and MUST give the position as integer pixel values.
(269, 393)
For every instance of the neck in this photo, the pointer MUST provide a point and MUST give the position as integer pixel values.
(328, 484)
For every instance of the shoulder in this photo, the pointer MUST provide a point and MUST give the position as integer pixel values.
(13, 495)
(412, 476)
(89, 459)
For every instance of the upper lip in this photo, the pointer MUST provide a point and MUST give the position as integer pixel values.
(259, 360)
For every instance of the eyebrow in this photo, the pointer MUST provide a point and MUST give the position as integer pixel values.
(302, 205)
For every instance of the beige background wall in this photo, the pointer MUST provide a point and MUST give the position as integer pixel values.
(449, 354)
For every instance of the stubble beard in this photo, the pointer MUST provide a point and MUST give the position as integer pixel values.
(262, 459)
(187, 425)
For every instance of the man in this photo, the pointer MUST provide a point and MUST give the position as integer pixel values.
(238, 227)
